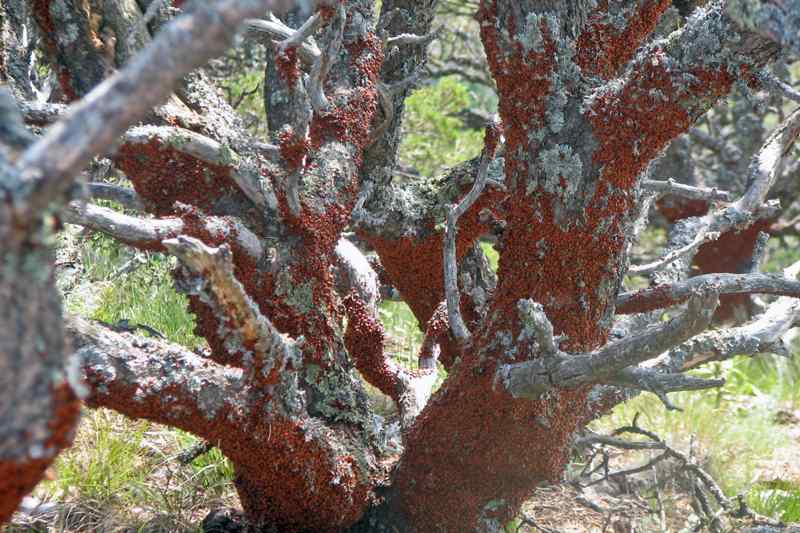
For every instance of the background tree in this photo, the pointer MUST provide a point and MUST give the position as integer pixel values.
(588, 99)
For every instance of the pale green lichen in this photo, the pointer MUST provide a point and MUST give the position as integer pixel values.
(299, 296)
(227, 156)
(562, 170)
(533, 38)
(335, 398)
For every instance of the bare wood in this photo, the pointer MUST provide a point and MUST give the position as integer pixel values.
(148, 233)
(307, 50)
(712, 194)
(766, 164)
(530, 379)
(452, 295)
(125, 196)
(247, 329)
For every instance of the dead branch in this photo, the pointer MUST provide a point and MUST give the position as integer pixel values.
(674, 188)
(273, 28)
(530, 379)
(123, 195)
(456, 321)
(263, 348)
(667, 295)
(148, 233)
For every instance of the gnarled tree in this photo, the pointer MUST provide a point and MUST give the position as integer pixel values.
(588, 99)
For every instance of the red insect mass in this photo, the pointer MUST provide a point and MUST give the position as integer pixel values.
(287, 65)
(365, 340)
(604, 49)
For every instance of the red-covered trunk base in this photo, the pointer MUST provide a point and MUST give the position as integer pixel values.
(474, 444)
(279, 468)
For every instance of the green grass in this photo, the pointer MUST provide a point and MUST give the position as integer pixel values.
(118, 283)
(405, 336)
(113, 472)
(146, 296)
(434, 139)
(491, 255)
(122, 474)
(782, 502)
(733, 439)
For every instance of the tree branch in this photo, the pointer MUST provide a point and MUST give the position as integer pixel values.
(307, 50)
(669, 84)
(766, 164)
(667, 295)
(148, 233)
(405, 39)
(452, 295)
(690, 249)
(365, 341)
(263, 350)
(41, 113)
(671, 187)
(49, 166)
(530, 379)
(778, 86)
(122, 195)
(137, 232)
(151, 379)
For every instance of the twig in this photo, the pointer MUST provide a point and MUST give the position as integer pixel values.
(457, 325)
(759, 251)
(526, 520)
(672, 187)
(307, 50)
(778, 86)
(323, 62)
(700, 240)
(413, 39)
(301, 34)
(193, 452)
